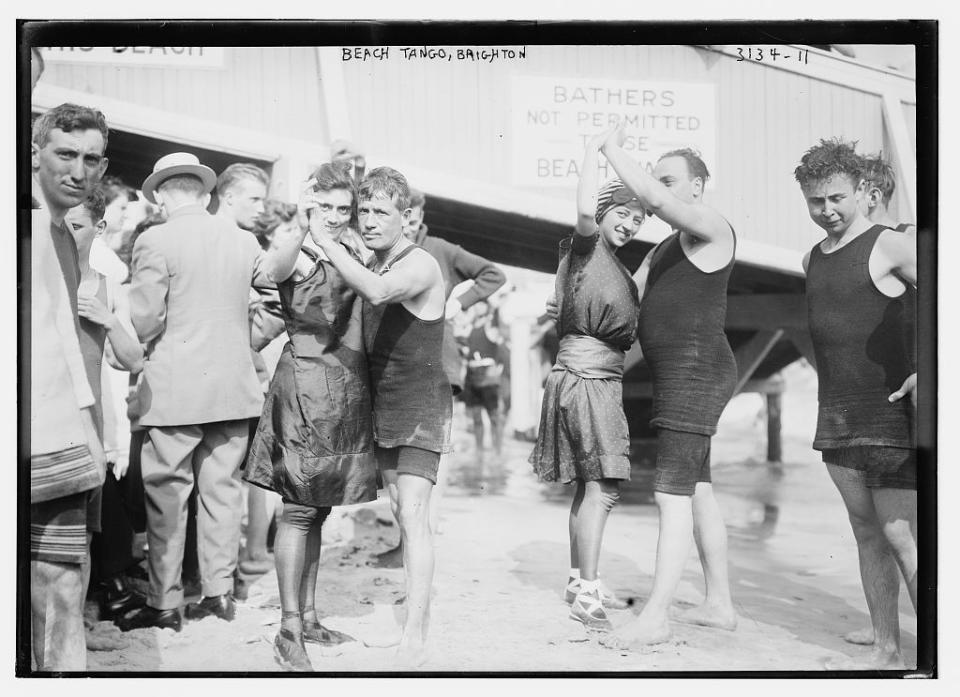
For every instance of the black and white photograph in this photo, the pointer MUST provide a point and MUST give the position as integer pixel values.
(477, 348)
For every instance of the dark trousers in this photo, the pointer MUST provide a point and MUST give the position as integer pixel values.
(111, 548)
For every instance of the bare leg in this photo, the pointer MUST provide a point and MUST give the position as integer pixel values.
(710, 534)
(477, 414)
(392, 558)
(878, 569)
(496, 428)
(413, 503)
(598, 500)
(572, 524)
(652, 626)
(56, 598)
(897, 511)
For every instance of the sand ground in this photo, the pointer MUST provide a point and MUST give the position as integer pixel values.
(502, 563)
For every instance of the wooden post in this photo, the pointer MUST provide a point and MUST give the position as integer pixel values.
(774, 450)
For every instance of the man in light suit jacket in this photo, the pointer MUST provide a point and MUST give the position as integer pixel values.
(189, 296)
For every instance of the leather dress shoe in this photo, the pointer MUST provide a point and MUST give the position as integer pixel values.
(117, 599)
(148, 616)
(222, 606)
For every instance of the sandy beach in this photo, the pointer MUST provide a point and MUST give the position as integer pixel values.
(502, 563)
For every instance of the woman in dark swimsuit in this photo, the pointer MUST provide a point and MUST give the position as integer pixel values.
(314, 443)
(583, 434)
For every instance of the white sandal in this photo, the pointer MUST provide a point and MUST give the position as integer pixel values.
(607, 596)
(587, 608)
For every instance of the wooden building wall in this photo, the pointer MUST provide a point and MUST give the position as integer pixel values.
(271, 89)
(455, 116)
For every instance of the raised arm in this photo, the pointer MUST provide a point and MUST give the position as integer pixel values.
(589, 184)
(281, 261)
(693, 218)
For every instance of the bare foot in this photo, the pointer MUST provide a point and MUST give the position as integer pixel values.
(708, 616)
(411, 654)
(861, 637)
(878, 659)
(636, 633)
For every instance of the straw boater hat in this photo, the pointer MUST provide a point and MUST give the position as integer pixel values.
(177, 163)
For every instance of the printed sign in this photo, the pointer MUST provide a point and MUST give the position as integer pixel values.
(176, 56)
(554, 117)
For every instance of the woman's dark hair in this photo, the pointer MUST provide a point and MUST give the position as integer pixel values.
(336, 175)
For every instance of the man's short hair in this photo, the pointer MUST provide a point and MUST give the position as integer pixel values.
(275, 213)
(186, 183)
(68, 118)
(238, 171)
(387, 182)
(831, 157)
(96, 204)
(879, 174)
(417, 199)
(695, 164)
(113, 188)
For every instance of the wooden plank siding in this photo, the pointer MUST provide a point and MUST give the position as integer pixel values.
(272, 89)
(455, 117)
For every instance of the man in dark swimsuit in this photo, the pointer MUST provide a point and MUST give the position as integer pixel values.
(457, 265)
(403, 317)
(860, 280)
(683, 285)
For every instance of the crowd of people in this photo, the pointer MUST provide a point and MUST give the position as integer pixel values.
(182, 305)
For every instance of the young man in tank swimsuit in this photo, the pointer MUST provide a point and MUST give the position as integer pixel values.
(403, 316)
(861, 280)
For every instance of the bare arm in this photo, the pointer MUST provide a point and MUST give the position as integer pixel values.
(588, 185)
(693, 218)
(404, 282)
(900, 252)
(127, 350)
(281, 261)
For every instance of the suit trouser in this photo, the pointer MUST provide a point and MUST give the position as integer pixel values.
(172, 459)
